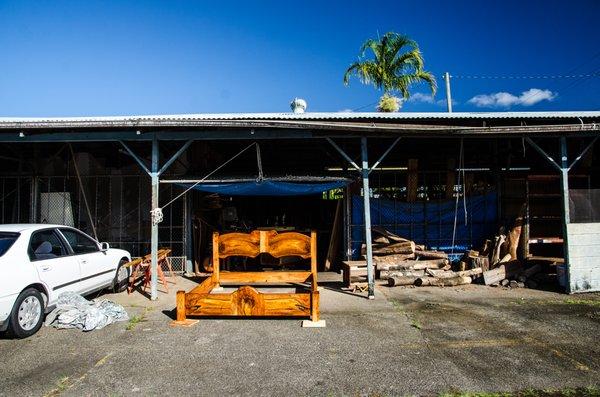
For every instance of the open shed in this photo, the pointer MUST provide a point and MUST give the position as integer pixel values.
(109, 175)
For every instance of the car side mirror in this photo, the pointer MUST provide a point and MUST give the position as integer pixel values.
(104, 247)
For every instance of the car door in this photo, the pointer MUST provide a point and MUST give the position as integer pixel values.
(96, 268)
(53, 262)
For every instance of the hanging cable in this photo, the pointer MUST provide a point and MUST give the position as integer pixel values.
(209, 174)
(259, 164)
(461, 188)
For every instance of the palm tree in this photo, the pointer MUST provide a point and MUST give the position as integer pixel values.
(397, 64)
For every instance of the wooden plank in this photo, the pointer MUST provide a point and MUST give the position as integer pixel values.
(265, 277)
(205, 286)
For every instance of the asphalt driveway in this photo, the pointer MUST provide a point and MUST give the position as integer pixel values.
(415, 341)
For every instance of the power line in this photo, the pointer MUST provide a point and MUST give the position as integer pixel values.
(541, 77)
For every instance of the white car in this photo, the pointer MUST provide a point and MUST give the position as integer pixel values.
(38, 262)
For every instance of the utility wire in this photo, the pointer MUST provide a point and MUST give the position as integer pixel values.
(548, 77)
(210, 173)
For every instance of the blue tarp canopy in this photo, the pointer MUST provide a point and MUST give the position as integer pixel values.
(430, 222)
(268, 188)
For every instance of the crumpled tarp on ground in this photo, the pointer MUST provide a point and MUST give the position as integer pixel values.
(74, 311)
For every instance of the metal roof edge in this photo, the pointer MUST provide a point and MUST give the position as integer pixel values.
(306, 116)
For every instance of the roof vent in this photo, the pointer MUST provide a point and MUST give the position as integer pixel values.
(298, 105)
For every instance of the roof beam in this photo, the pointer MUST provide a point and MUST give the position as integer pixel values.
(344, 155)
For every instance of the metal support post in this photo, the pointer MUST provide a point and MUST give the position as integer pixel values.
(367, 212)
(564, 179)
(154, 174)
(189, 226)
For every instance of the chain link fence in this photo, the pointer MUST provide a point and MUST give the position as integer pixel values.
(117, 210)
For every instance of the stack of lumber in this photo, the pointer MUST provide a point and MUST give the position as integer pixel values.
(402, 262)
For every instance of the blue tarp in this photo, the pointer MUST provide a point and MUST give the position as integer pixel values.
(430, 223)
(268, 188)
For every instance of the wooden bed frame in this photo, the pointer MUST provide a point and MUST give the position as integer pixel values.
(246, 301)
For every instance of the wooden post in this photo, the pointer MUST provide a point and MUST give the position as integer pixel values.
(216, 264)
(181, 320)
(313, 258)
(412, 184)
(180, 305)
(314, 306)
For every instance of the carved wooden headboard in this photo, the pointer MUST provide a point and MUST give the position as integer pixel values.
(263, 241)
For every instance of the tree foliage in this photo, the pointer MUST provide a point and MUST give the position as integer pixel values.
(395, 64)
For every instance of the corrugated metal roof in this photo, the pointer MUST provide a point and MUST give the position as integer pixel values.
(364, 116)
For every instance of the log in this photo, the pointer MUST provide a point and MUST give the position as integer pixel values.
(405, 247)
(432, 254)
(385, 274)
(504, 282)
(498, 241)
(503, 271)
(449, 274)
(472, 272)
(392, 259)
(381, 240)
(505, 258)
(481, 261)
(515, 234)
(530, 271)
(439, 273)
(442, 282)
(486, 248)
(415, 265)
(397, 281)
(387, 234)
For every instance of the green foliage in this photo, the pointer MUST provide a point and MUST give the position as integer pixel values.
(395, 65)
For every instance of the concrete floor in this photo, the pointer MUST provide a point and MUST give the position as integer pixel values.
(417, 341)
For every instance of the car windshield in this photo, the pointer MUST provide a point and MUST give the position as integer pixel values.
(6, 241)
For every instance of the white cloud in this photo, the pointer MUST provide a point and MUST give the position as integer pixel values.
(420, 97)
(506, 99)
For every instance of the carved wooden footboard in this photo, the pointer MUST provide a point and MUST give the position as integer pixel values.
(246, 300)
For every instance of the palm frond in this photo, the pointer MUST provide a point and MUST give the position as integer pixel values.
(397, 64)
(366, 71)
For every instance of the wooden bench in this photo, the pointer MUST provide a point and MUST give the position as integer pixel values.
(354, 269)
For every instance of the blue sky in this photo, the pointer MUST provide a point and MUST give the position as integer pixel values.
(62, 58)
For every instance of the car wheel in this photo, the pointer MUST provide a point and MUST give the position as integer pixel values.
(121, 277)
(27, 315)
